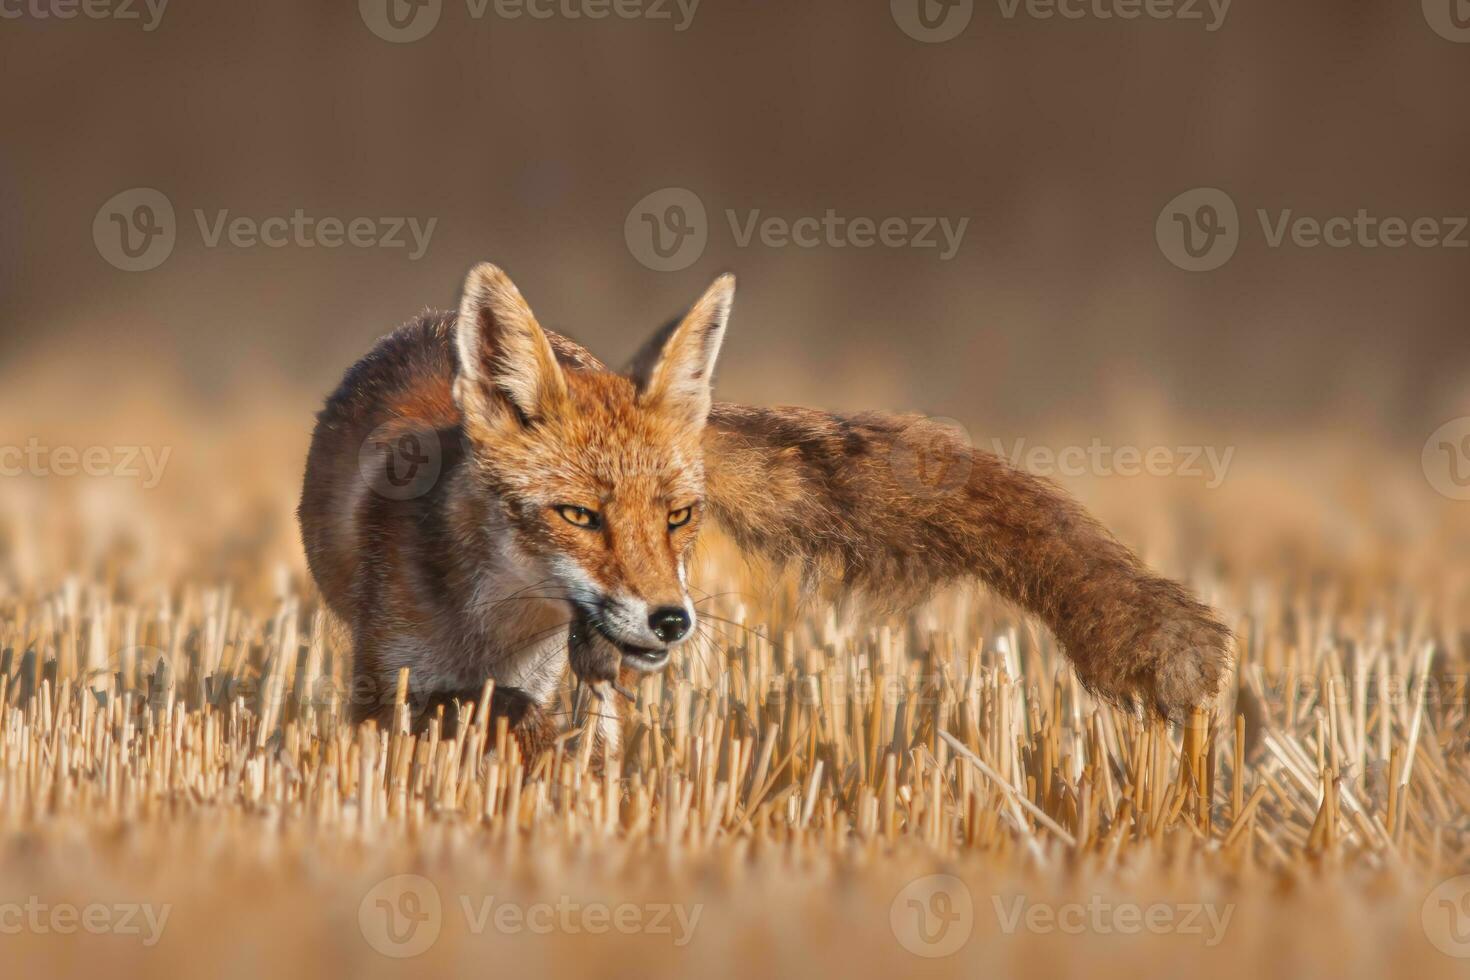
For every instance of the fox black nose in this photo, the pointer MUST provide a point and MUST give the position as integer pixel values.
(669, 623)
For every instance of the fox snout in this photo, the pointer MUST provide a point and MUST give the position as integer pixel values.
(626, 583)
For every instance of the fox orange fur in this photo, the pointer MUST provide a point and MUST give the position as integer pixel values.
(484, 498)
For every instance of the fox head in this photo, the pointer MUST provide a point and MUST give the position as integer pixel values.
(599, 476)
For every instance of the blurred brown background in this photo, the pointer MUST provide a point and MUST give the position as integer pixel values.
(529, 140)
(1317, 375)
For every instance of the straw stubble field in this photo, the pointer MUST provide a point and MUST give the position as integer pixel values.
(807, 787)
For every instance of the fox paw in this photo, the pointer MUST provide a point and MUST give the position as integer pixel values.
(1160, 652)
(1188, 660)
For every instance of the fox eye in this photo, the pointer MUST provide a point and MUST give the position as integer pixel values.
(680, 517)
(589, 520)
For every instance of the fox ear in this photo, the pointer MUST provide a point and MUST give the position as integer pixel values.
(506, 364)
(675, 369)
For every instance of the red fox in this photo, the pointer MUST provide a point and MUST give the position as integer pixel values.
(562, 501)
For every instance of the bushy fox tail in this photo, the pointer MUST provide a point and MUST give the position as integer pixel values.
(898, 505)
